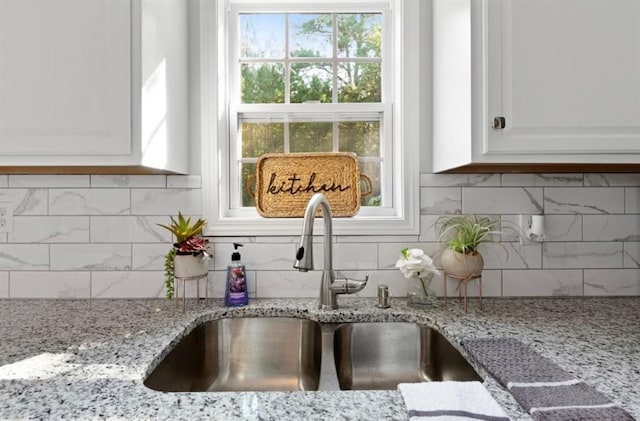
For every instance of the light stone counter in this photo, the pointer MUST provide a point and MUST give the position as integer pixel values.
(81, 359)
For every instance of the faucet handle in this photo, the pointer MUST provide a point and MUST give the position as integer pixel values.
(365, 280)
(348, 286)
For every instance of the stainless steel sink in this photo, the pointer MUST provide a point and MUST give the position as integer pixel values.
(288, 354)
(381, 355)
(243, 354)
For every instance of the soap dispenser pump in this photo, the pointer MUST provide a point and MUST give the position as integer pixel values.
(236, 293)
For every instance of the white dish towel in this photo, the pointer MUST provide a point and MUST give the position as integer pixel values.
(450, 401)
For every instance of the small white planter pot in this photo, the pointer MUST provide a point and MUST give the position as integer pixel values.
(459, 265)
(190, 266)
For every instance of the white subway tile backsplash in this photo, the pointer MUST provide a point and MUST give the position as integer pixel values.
(241, 240)
(428, 232)
(612, 282)
(373, 239)
(4, 283)
(350, 256)
(611, 227)
(511, 228)
(89, 202)
(50, 284)
(632, 200)
(563, 227)
(184, 181)
(511, 255)
(256, 256)
(24, 257)
(388, 254)
(583, 200)
(611, 180)
(286, 284)
(70, 227)
(166, 201)
(581, 255)
(440, 200)
(112, 229)
(149, 256)
(507, 200)
(459, 180)
(290, 239)
(193, 288)
(146, 230)
(216, 283)
(535, 283)
(93, 257)
(346, 256)
(491, 286)
(26, 201)
(50, 229)
(632, 255)
(541, 180)
(127, 284)
(48, 181)
(129, 229)
(154, 181)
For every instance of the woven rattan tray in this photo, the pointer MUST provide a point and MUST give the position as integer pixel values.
(285, 183)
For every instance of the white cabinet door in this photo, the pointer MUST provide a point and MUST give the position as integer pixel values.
(65, 77)
(559, 80)
(568, 74)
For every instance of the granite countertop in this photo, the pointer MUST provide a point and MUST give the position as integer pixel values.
(88, 359)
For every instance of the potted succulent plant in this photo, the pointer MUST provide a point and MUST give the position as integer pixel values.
(462, 235)
(189, 257)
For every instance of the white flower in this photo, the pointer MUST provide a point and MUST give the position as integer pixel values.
(415, 263)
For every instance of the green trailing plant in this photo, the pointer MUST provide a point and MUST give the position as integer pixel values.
(465, 233)
(188, 241)
(168, 273)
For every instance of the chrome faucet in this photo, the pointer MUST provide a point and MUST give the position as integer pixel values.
(330, 287)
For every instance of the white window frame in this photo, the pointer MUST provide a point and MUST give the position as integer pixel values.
(400, 216)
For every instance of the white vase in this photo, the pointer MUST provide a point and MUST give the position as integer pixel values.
(460, 265)
(190, 266)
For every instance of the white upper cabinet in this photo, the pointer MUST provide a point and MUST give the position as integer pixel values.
(536, 81)
(93, 83)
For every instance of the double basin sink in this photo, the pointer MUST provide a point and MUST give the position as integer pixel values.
(289, 354)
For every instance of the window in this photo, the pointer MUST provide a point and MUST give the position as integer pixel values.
(301, 77)
(308, 82)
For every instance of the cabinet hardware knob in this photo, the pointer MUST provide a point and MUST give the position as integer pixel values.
(499, 123)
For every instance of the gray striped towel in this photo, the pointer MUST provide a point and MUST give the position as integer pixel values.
(541, 387)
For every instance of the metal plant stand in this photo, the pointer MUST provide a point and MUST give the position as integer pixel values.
(464, 281)
(176, 287)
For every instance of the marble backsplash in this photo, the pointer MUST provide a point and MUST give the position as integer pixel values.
(80, 236)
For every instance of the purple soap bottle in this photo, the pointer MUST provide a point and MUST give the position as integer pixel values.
(236, 294)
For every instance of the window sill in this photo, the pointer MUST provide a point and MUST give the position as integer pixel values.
(236, 226)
